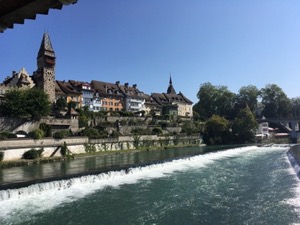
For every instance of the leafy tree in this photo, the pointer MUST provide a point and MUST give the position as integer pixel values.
(61, 104)
(29, 103)
(188, 127)
(37, 103)
(249, 95)
(216, 131)
(13, 104)
(72, 105)
(275, 101)
(244, 126)
(214, 100)
(295, 104)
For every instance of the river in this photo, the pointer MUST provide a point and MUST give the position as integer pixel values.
(248, 185)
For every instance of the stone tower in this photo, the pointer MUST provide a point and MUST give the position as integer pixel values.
(45, 74)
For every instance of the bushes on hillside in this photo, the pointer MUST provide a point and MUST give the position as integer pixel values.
(36, 134)
(6, 134)
(140, 131)
(47, 129)
(157, 131)
(62, 134)
(33, 154)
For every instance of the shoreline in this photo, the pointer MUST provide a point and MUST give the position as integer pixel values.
(25, 162)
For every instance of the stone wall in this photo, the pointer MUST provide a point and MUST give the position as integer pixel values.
(9, 124)
(14, 125)
(14, 149)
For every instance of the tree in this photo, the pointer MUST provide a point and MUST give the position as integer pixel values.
(214, 100)
(216, 131)
(29, 103)
(244, 126)
(72, 105)
(37, 103)
(275, 101)
(249, 94)
(61, 104)
(295, 104)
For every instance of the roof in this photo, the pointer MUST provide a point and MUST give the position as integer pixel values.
(164, 98)
(105, 88)
(65, 87)
(16, 11)
(171, 89)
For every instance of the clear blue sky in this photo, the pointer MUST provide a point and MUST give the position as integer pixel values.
(233, 43)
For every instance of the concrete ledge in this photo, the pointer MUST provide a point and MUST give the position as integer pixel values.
(293, 155)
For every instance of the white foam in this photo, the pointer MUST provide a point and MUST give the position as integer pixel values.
(45, 196)
(295, 170)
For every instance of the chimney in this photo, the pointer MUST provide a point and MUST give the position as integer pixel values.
(134, 86)
(126, 85)
(117, 83)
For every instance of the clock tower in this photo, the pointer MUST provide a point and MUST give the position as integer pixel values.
(45, 74)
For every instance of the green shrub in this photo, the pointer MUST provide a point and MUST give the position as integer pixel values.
(47, 129)
(36, 134)
(1, 156)
(140, 131)
(136, 141)
(6, 134)
(63, 150)
(3, 136)
(157, 130)
(40, 152)
(32, 154)
(61, 134)
(115, 134)
(91, 133)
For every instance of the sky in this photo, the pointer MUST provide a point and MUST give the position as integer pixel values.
(231, 43)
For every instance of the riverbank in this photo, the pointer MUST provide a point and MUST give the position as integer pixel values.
(15, 148)
(25, 162)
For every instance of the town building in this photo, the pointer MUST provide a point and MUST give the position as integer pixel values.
(134, 99)
(19, 79)
(112, 97)
(173, 103)
(97, 95)
(65, 90)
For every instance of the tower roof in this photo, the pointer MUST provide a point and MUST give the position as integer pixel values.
(171, 89)
(46, 47)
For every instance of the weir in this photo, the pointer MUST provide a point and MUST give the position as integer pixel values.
(125, 175)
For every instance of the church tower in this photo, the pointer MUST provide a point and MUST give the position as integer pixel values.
(171, 89)
(45, 74)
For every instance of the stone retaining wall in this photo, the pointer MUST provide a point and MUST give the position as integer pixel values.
(14, 149)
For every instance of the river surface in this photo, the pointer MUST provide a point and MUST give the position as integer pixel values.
(249, 185)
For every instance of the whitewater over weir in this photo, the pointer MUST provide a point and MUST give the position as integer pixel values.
(23, 205)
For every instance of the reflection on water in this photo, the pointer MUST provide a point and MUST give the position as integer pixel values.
(16, 176)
